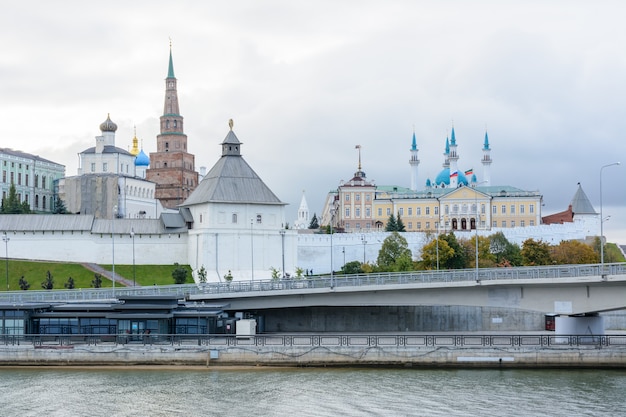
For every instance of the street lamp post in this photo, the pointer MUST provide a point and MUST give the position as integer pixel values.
(332, 216)
(476, 221)
(113, 247)
(602, 218)
(282, 235)
(252, 249)
(132, 235)
(6, 239)
(364, 243)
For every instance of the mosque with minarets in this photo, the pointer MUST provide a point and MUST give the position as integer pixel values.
(455, 200)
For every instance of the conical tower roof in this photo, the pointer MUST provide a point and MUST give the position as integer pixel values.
(232, 180)
(581, 204)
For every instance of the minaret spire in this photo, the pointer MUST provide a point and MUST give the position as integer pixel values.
(486, 161)
(453, 157)
(414, 163)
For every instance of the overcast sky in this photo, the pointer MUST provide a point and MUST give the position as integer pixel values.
(305, 82)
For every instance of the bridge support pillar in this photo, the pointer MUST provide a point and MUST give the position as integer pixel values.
(579, 325)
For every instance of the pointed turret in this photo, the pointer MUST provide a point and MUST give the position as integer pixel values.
(414, 163)
(486, 161)
(303, 214)
(172, 168)
(453, 158)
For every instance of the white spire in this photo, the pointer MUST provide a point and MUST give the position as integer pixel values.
(303, 214)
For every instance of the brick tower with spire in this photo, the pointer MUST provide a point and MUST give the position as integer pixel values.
(172, 167)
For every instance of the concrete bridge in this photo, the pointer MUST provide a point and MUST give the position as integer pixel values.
(566, 290)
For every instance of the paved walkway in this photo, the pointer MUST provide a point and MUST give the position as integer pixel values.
(108, 274)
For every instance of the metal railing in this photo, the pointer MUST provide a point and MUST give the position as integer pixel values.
(324, 281)
(396, 341)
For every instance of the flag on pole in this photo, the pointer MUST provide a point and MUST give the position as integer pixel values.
(454, 174)
(469, 171)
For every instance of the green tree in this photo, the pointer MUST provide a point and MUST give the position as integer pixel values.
(48, 283)
(459, 257)
(24, 285)
(11, 204)
(70, 284)
(433, 251)
(392, 225)
(59, 207)
(506, 253)
(96, 282)
(400, 224)
(395, 254)
(353, 267)
(202, 274)
(536, 252)
(179, 274)
(314, 224)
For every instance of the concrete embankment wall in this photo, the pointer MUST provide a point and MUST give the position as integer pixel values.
(567, 356)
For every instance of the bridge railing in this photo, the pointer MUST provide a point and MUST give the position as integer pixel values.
(321, 282)
(401, 341)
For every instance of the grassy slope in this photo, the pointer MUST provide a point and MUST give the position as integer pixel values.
(35, 274)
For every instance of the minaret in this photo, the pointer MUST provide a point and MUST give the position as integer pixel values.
(453, 157)
(486, 161)
(172, 168)
(414, 162)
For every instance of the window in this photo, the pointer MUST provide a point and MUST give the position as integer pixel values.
(427, 212)
(494, 210)
(26, 183)
(419, 225)
(380, 212)
(482, 209)
(358, 225)
(455, 209)
(347, 212)
(358, 197)
(531, 208)
(532, 222)
(347, 197)
(367, 197)
(401, 211)
(410, 211)
(105, 167)
(259, 219)
(512, 223)
(521, 209)
(436, 210)
(427, 225)
(367, 212)
(93, 167)
(522, 223)
(19, 178)
(512, 208)
(503, 223)
(410, 225)
(494, 224)
(503, 209)
(357, 212)
(4, 176)
(234, 218)
(418, 211)
(43, 202)
(12, 177)
(388, 212)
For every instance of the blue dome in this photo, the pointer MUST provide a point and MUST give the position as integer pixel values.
(444, 177)
(142, 160)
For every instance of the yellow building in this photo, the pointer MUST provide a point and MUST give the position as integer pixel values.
(450, 202)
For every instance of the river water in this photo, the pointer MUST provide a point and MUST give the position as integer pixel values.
(310, 392)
